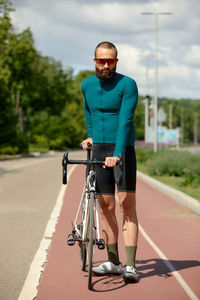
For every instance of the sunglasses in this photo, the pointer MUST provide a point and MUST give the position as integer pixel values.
(103, 61)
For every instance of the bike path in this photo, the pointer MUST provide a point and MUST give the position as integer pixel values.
(169, 237)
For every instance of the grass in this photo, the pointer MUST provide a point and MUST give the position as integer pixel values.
(33, 148)
(173, 181)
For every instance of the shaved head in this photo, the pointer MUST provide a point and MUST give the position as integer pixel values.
(105, 45)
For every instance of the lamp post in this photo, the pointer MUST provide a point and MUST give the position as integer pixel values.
(146, 101)
(155, 101)
(182, 126)
(170, 116)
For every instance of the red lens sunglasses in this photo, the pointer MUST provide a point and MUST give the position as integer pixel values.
(103, 61)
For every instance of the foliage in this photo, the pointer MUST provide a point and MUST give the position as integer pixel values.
(9, 150)
(174, 163)
(41, 102)
(144, 154)
(139, 120)
(183, 112)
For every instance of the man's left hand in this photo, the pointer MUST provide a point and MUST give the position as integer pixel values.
(111, 161)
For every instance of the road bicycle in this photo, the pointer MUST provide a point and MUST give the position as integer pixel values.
(86, 228)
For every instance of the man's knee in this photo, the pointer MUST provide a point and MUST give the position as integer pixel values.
(127, 201)
(107, 202)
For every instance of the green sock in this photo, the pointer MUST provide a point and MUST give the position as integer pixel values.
(113, 255)
(130, 255)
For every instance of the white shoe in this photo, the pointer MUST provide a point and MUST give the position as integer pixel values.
(107, 268)
(130, 274)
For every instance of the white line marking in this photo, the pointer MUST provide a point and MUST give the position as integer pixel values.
(30, 288)
(172, 269)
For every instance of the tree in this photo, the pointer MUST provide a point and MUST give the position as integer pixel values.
(8, 121)
(139, 120)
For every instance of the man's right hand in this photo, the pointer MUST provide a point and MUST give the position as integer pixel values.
(85, 143)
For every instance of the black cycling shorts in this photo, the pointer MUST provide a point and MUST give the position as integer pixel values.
(106, 177)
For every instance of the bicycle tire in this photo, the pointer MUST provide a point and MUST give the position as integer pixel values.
(83, 244)
(91, 240)
(83, 255)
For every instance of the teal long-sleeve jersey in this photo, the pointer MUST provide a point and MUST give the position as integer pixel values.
(109, 107)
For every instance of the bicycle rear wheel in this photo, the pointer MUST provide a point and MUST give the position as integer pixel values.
(91, 240)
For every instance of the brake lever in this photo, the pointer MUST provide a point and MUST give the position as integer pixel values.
(118, 170)
(64, 164)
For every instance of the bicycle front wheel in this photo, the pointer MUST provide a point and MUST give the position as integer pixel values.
(91, 240)
(83, 255)
(84, 223)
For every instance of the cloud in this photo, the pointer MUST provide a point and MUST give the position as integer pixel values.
(192, 56)
(70, 30)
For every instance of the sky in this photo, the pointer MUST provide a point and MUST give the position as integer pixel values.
(69, 31)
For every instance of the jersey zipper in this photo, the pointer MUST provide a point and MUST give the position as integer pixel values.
(102, 117)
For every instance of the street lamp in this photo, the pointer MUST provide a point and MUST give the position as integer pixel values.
(155, 101)
(170, 116)
(146, 100)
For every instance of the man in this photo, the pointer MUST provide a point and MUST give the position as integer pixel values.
(110, 100)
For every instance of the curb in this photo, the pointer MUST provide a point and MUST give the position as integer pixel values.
(176, 195)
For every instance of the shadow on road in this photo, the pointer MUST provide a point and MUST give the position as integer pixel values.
(107, 283)
(158, 267)
(145, 268)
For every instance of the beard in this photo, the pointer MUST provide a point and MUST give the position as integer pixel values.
(105, 74)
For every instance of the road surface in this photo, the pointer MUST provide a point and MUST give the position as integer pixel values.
(168, 249)
(28, 191)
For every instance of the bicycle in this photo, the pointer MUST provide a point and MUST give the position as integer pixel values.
(87, 232)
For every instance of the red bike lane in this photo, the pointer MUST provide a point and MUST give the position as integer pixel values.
(166, 228)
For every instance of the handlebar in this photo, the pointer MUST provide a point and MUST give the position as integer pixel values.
(88, 163)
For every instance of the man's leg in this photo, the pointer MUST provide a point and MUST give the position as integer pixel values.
(110, 231)
(109, 226)
(127, 201)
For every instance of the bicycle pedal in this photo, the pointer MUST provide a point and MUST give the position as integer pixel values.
(70, 240)
(101, 244)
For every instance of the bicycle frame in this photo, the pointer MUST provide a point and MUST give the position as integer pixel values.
(90, 187)
(87, 233)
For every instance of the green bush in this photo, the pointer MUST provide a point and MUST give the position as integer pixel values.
(191, 177)
(41, 140)
(56, 144)
(22, 143)
(9, 150)
(144, 154)
(174, 163)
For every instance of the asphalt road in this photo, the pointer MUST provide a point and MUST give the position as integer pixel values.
(167, 258)
(28, 191)
(29, 188)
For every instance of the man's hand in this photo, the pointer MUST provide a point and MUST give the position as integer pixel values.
(85, 143)
(111, 161)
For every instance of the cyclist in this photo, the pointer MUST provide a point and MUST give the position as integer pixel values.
(110, 100)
